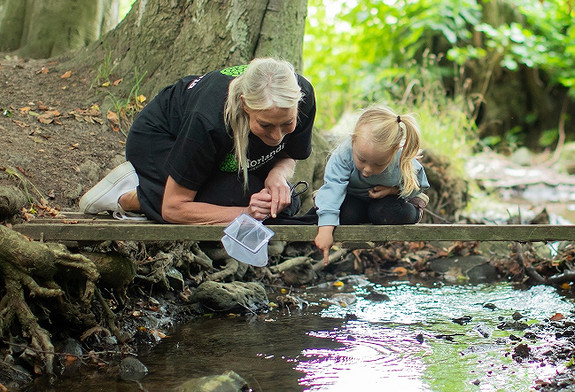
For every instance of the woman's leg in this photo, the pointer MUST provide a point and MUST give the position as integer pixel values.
(392, 210)
(353, 211)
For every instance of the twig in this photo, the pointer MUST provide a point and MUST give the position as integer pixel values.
(433, 214)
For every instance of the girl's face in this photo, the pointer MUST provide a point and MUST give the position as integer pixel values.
(272, 125)
(369, 158)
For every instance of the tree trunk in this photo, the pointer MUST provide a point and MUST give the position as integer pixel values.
(42, 29)
(168, 39)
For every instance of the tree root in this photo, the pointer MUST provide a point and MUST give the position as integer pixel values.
(230, 269)
(36, 271)
(19, 309)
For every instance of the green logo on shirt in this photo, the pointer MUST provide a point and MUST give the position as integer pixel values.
(234, 71)
(230, 164)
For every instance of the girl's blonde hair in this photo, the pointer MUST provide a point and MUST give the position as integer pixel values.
(392, 132)
(266, 83)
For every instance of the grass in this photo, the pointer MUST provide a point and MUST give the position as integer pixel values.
(127, 108)
(105, 70)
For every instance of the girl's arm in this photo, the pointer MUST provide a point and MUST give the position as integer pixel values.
(334, 189)
(330, 196)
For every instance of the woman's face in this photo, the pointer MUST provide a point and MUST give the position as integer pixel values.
(272, 125)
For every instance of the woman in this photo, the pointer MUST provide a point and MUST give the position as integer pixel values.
(211, 147)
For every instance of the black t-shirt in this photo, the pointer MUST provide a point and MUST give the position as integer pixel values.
(192, 112)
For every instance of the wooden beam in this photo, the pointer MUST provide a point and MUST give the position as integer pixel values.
(101, 230)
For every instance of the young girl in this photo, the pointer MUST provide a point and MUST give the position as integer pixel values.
(373, 177)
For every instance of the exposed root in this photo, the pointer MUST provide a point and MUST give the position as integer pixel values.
(42, 271)
(230, 269)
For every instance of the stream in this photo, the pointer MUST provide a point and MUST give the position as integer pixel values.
(359, 333)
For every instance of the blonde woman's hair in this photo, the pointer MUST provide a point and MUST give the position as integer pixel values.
(392, 132)
(267, 83)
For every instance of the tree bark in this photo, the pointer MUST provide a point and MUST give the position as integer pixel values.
(168, 39)
(42, 29)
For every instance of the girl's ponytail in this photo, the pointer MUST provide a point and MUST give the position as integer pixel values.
(411, 150)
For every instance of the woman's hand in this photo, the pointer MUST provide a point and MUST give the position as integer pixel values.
(324, 241)
(277, 185)
(260, 205)
(380, 191)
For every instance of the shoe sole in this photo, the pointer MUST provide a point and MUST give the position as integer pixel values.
(103, 187)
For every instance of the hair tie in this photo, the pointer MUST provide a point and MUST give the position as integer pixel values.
(401, 124)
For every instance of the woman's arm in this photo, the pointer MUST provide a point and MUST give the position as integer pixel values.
(178, 206)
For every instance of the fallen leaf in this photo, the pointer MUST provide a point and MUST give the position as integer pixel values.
(113, 120)
(90, 115)
(158, 334)
(117, 82)
(48, 117)
(42, 70)
(400, 271)
(106, 84)
(66, 75)
(557, 317)
(20, 123)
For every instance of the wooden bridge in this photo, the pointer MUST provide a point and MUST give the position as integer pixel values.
(78, 227)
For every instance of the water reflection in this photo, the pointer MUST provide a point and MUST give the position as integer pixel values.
(372, 357)
(345, 341)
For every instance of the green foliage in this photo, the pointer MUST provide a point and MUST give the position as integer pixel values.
(544, 40)
(104, 71)
(127, 108)
(364, 51)
(372, 51)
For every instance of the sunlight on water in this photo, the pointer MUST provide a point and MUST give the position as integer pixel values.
(411, 343)
(367, 351)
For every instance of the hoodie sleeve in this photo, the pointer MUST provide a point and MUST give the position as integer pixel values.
(330, 196)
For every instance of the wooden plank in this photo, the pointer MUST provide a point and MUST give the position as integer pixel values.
(100, 230)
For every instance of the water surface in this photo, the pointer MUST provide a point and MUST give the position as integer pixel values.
(438, 338)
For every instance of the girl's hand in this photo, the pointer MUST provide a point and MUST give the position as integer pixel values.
(324, 241)
(277, 186)
(380, 191)
(260, 205)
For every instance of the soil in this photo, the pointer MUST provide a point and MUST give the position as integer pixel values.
(56, 140)
(53, 134)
